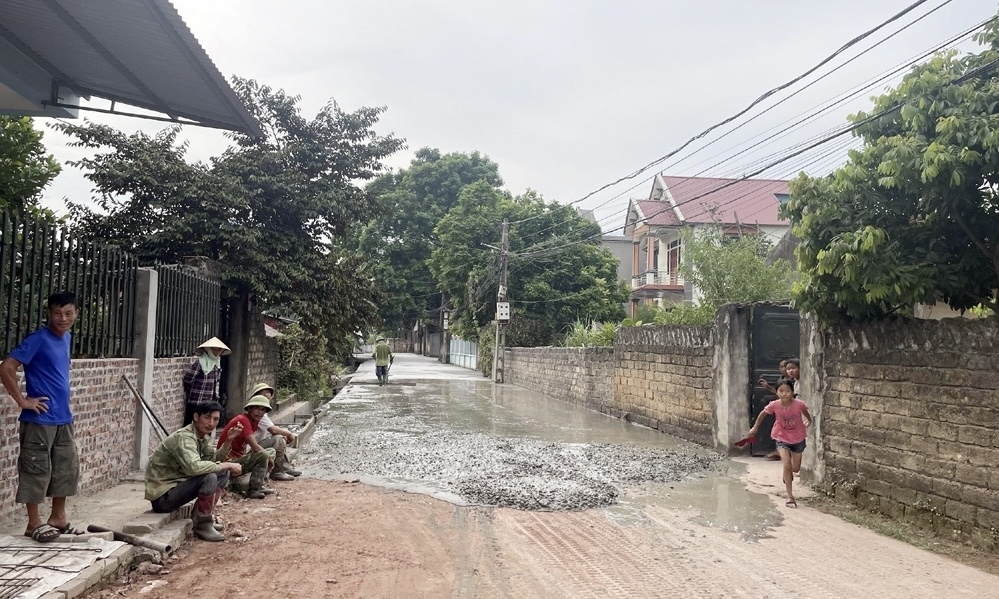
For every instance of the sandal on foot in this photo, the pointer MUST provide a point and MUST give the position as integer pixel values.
(791, 504)
(44, 533)
(68, 529)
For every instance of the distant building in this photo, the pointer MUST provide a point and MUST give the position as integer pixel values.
(619, 245)
(653, 226)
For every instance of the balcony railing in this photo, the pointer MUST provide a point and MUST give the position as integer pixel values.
(656, 277)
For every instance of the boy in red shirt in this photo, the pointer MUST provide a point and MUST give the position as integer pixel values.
(257, 461)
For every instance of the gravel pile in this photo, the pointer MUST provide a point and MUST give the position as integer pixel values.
(527, 474)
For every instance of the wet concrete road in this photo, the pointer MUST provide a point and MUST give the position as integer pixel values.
(718, 531)
(471, 442)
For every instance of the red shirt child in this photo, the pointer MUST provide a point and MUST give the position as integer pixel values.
(238, 448)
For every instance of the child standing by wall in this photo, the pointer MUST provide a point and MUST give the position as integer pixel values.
(791, 422)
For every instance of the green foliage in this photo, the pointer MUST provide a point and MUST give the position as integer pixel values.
(25, 168)
(590, 335)
(914, 214)
(274, 211)
(548, 290)
(306, 367)
(398, 242)
(733, 269)
(487, 342)
(647, 312)
(688, 314)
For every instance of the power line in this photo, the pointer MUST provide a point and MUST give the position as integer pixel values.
(807, 115)
(754, 103)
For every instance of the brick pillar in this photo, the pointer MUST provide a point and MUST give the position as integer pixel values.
(144, 351)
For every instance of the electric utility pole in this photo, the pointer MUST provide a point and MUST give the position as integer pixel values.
(502, 306)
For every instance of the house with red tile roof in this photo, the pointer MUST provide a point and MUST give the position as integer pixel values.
(739, 206)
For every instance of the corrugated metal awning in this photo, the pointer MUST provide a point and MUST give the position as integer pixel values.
(135, 52)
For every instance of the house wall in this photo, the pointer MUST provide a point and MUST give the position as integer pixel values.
(908, 421)
(104, 411)
(263, 358)
(623, 250)
(774, 233)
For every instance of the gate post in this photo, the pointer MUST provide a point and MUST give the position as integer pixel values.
(731, 372)
(813, 387)
(144, 350)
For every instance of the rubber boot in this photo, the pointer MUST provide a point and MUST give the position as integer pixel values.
(256, 489)
(204, 524)
(279, 472)
(215, 501)
(289, 469)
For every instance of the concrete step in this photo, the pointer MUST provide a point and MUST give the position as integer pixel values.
(295, 413)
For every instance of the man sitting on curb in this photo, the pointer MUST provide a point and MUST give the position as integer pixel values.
(239, 433)
(270, 435)
(185, 467)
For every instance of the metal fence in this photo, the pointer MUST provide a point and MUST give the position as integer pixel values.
(39, 259)
(464, 353)
(188, 308)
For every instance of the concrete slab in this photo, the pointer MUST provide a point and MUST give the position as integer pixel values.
(110, 508)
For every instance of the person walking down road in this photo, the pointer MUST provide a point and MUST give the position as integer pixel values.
(48, 464)
(239, 433)
(791, 422)
(201, 380)
(383, 360)
(269, 435)
(186, 467)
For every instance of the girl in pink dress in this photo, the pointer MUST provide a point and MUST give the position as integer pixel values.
(791, 422)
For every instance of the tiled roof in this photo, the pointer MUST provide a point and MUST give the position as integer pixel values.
(706, 200)
(658, 213)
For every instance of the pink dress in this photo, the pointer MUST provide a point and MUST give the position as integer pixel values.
(788, 425)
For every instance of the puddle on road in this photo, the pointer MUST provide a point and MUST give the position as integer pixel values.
(396, 412)
(720, 499)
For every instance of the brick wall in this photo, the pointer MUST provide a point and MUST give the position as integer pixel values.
(168, 394)
(263, 358)
(663, 378)
(583, 376)
(104, 410)
(910, 419)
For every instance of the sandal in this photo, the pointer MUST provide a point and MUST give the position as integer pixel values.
(44, 533)
(69, 530)
(791, 504)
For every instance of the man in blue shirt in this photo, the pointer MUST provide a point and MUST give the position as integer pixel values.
(48, 464)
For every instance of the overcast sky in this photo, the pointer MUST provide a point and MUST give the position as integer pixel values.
(565, 96)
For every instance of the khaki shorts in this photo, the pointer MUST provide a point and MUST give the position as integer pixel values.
(48, 465)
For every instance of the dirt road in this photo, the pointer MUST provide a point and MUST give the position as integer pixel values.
(333, 539)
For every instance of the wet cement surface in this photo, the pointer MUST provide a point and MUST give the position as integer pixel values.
(468, 441)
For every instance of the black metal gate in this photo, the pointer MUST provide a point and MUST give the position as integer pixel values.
(776, 336)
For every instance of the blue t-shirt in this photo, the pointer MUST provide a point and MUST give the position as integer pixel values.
(45, 359)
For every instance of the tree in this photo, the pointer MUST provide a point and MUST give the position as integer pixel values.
(274, 211)
(551, 284)
(25, 167)
(733, 269)
(914, 214)
(399, 241)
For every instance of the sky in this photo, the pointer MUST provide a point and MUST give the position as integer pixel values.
(565, 96)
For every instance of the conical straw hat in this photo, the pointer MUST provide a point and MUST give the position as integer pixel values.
(214, 342)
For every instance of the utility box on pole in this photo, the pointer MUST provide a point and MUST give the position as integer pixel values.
(503, 312)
